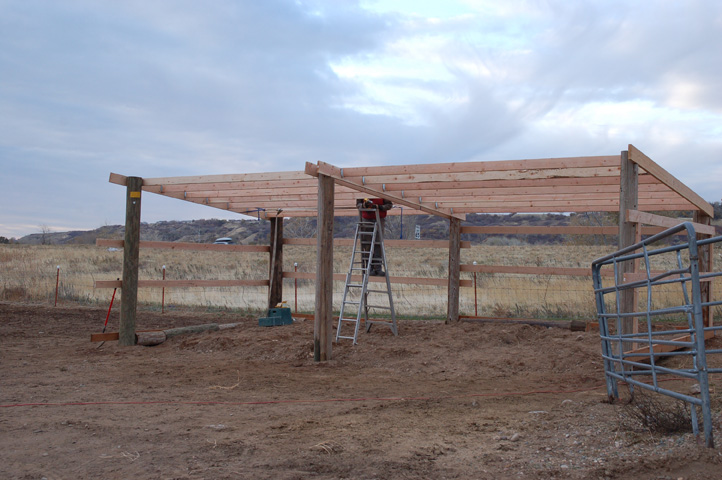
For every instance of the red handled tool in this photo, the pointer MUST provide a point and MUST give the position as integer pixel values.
(108, 315)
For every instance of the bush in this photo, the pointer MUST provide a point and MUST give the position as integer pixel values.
(656, 413)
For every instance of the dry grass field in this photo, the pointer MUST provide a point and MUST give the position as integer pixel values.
(29, 274)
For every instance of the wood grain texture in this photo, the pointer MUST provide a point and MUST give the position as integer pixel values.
(454, 270)
(639, 158)
(666, 222)
(131, 250)
(323, 322)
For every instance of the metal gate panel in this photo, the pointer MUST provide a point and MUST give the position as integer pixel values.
(668, 288)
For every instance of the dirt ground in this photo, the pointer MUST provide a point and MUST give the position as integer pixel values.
(439, 401)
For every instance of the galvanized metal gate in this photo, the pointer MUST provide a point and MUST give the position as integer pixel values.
(667, 292)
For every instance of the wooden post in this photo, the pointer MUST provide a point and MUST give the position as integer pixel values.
(705, 264)
(131, 250)
(628, 200)
(323, 320)
(454, 269)
(57, 284)
(275, 274)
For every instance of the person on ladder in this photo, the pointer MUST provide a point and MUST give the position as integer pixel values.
(367, 217)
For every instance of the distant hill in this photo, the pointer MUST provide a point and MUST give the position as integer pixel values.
(249, 232)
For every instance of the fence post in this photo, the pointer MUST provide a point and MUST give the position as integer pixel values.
(295, 288)
(275, 271)
(706, 264)
(162, 298)
(57, 283)
(628, 200)
(454, 270)
(476, 310)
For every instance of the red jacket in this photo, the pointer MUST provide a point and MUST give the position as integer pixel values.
(383, 206)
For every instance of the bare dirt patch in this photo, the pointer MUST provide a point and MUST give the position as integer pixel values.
(438, 401)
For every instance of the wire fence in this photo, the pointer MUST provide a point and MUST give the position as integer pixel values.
(30, 273)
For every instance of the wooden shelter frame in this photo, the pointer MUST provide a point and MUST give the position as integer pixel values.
(629, 183)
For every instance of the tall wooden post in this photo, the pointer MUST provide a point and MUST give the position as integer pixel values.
(275, 273)
(705, 264)
(454, 269)
(323, 320)
(628, 200)
(131, 250)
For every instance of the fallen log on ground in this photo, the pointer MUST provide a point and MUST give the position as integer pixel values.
(156, 337)
(148, 339)
(208, 327)
(574, 325)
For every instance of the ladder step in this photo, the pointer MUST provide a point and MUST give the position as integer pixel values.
(356, 285)
(349, 338)
(376, 291)
(379, 306)
(349, 320)
(352, 303)
(380, 322)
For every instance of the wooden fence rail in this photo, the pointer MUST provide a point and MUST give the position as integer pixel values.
(103, 242)
(347, 242)
(182, 283)
(341, 277)
(554, 230)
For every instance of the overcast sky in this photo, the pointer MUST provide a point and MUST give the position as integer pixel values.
(180, 87)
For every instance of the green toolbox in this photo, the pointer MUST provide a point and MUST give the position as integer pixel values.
(276, 317)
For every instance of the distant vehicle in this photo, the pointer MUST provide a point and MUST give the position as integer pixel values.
(223, 241)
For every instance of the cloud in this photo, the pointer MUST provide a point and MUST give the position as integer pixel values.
(593, 76)
(169, 88)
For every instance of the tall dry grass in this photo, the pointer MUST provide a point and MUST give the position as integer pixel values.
(28, 273)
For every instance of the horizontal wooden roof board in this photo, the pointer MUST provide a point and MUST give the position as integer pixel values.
(574, 184)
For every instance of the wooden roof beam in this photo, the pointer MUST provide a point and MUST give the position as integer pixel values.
(502, 210)
(657, 220)
(118, 179)
(521, 174)
(577, 201)
(347, 212)
(323, 168)
(224, 187)
(636, 156)
(463, 167)
(229, 178)
(560, 184)
(573, 196)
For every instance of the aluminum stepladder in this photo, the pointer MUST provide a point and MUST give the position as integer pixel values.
(356, 295)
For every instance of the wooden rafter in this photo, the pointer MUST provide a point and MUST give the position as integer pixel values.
(647, 218)
(460, 167)
(334, 172)
(489, 175)
(646, 163)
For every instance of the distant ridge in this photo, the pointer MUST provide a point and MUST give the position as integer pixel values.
(251, 232)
